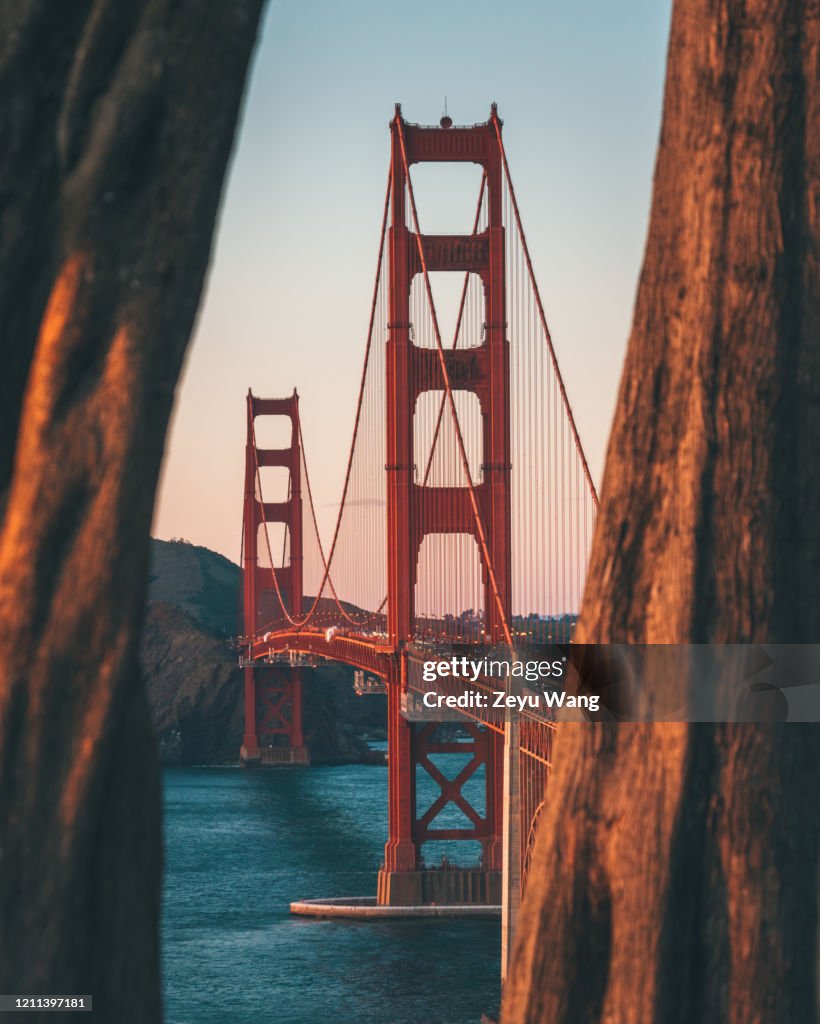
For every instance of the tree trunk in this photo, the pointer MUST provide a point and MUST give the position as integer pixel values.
(117, 120)
(675, 875)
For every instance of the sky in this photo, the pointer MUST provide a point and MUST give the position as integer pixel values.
(579, 86)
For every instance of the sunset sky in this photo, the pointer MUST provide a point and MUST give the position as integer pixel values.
(579, 87)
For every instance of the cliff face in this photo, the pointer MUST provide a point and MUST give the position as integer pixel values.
(195, 685)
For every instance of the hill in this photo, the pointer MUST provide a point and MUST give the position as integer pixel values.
(199, 581)
(195, 685)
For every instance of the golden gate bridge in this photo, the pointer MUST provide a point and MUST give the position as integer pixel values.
(464, 524)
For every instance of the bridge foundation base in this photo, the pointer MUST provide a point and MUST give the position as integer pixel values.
(285, 755)
(274, 757)
(457, 886)
(366, 908)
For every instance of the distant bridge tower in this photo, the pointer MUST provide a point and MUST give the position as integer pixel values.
(415, 510)
(273, 694)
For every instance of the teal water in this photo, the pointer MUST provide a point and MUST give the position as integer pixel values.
(239, 847)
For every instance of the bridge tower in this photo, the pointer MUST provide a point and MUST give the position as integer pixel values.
(273, 694)
(415, 510)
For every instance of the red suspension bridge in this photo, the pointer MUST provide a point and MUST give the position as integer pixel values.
(464, 524)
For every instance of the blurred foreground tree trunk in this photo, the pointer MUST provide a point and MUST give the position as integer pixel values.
(675, 878)
(117, 120)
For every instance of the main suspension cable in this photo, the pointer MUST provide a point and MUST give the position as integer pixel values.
(542, 316)
(298, 623)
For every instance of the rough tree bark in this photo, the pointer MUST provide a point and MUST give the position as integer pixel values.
(117, 120)
(675, 876)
